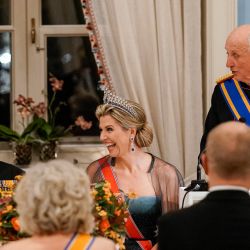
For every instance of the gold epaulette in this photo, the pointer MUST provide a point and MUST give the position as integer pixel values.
(224, 78)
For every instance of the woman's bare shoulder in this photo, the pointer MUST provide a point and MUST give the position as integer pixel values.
(103, 243)
(19, 244)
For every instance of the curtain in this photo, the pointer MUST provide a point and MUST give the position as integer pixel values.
(152, 49)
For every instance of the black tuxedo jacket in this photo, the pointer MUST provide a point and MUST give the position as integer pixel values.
(9, 171)
(220, 221)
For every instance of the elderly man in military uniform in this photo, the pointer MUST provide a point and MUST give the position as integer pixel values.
(230, 99)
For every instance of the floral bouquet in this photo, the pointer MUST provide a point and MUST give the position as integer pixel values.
(9, 225)
(110, 213)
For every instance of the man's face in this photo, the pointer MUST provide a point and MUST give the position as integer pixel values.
(238, 58)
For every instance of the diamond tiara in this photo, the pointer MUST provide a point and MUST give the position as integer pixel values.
(117, 102)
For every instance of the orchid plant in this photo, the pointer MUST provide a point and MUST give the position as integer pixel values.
(35, 126)
(49, 131)
(27, 110)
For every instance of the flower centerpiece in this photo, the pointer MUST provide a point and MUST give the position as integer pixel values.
(110, 213)
(9, 225)
(27, 109)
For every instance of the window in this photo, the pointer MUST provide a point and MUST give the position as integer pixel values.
(243, 12)
(5, 62)
(40, 38)
(5, 77)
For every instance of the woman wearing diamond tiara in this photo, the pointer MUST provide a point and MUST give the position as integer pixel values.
(149, 184)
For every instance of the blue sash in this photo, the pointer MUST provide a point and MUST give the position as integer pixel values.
(236, 100)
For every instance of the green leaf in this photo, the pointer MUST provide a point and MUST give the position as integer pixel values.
(47, 128)
(33, 126)
(7, 225)
(8, 133)
(45, 131)
(10, 215)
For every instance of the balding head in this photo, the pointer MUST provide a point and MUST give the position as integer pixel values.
(227, 151)
(240, 35)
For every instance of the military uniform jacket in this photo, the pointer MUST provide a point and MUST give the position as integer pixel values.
(219, 112)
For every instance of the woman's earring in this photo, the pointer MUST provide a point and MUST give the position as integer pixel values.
(132, 144)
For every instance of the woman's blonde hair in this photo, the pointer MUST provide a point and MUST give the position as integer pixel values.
(54, 197)
(144, 134)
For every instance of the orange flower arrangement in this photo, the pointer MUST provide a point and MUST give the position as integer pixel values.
(9, 224)
(110, 213)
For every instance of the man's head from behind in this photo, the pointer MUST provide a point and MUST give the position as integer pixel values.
(227, 156)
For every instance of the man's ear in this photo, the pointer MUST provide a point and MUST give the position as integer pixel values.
(205, 164)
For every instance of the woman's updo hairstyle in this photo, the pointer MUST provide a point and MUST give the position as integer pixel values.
(144, 134)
